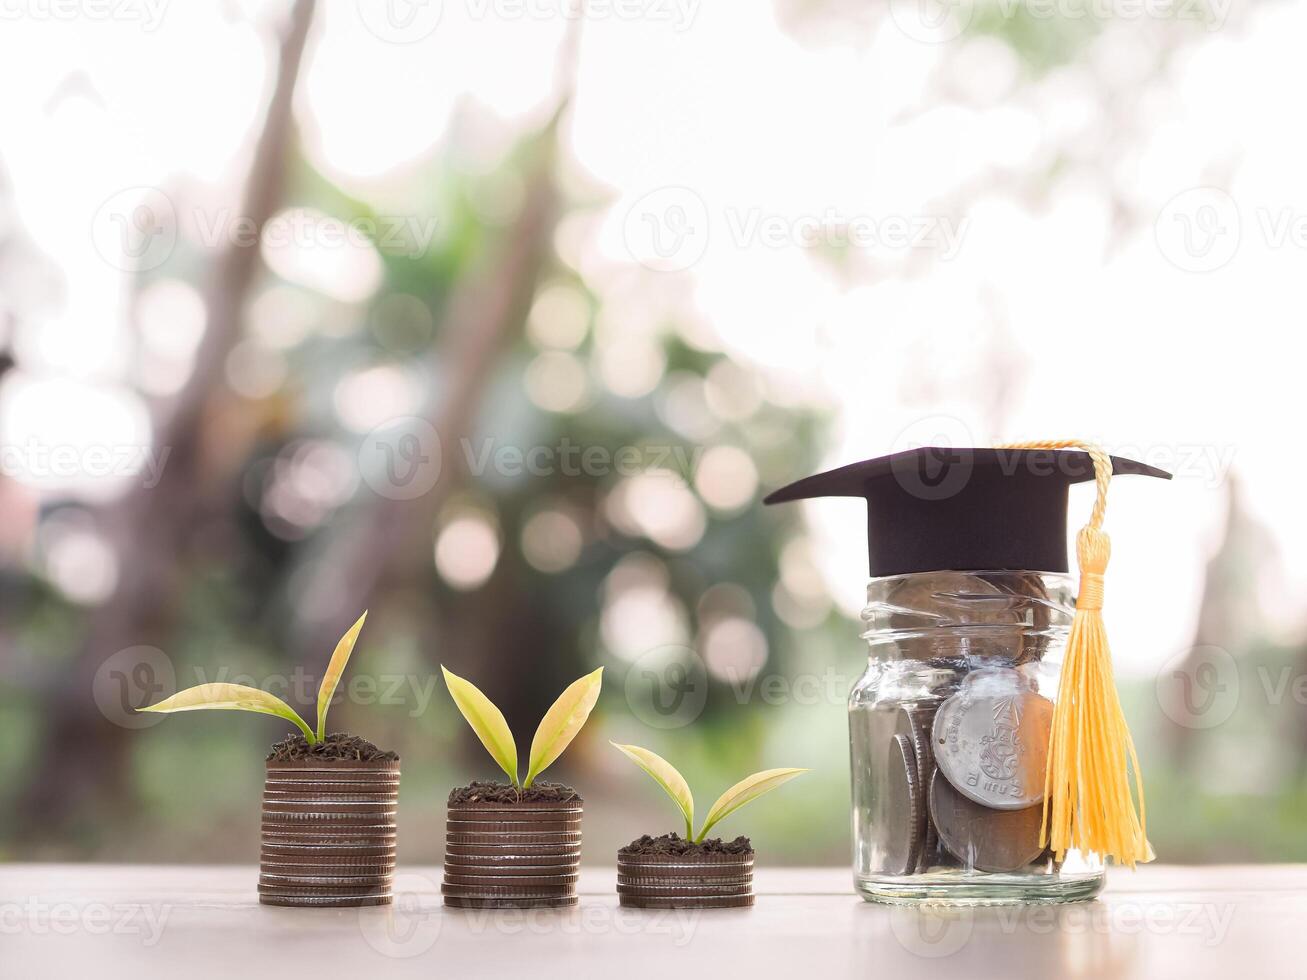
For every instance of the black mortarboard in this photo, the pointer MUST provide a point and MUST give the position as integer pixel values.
(965, 509)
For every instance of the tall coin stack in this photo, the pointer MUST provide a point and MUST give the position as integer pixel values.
(512, 855)
(685, 881)
(328, 836)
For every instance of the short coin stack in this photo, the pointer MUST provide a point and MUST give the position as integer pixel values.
(328, 836)
(512, 855)
(685, 881)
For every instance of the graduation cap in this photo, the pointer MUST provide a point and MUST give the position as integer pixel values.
(935, 508)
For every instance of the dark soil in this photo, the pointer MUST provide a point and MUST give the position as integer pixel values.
(335, 747)
(674, 844)
(480, 791)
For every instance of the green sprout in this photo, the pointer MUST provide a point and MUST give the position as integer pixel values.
(238, 697)
(674, 785)
(559, 726)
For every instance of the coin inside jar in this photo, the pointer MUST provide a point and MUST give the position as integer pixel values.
(905, 812)
(991, 739)
(914, 721)
(980, 837)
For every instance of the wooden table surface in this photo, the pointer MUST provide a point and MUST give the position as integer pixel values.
(101, 921)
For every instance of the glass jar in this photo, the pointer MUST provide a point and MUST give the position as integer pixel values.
(948, 736)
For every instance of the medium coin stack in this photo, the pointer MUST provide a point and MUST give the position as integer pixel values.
(512, 855)
(328, 836)
(685, 881)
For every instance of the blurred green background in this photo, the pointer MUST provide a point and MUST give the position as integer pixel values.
(407, 323)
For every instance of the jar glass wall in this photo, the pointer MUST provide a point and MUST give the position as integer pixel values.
(948, 735)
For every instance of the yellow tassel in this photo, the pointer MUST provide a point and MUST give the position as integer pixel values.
(1087, 801)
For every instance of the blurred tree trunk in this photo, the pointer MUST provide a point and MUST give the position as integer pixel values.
(1229, 616)
(81, 769)
(388, 542)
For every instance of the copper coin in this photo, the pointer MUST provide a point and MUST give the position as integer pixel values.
(457, 902)
(513, 826)
(514, 840)
(320, 880)
(289, 890)
(516, 872)
(904, 809)
(982, 837)
(682, 881)
(678, 891)
(515, 851)
(326, 870)
(509, 812)
(991, 739)
(688, 864)
(325, 901)
(570, 806)
(495, 888)
(688, 902)
(478, 877)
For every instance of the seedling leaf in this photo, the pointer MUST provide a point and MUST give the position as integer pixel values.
(334, 669)
(232, 697)
(561, 723)
(486, 720)
(745, 791)
(666, 776)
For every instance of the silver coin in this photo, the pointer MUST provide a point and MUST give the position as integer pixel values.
(980, 837)
(915, 722)
(991, 739)
(904, 811)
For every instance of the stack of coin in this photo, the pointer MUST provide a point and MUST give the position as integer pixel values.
(328, 835)
(512, 855)
(685, 881)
